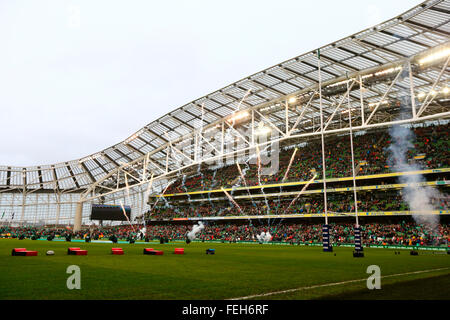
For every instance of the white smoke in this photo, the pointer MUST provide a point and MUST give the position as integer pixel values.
(195, 229)
(419, 198)
(143, 232)
(264, 237)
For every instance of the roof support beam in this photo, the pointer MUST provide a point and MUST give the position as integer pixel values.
(73, 176)
(88, 172)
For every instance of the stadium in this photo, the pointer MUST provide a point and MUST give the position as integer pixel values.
(287, 184)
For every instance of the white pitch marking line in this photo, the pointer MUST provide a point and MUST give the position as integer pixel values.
(331, 284)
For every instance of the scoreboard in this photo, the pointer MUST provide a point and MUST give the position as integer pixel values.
(110, 212)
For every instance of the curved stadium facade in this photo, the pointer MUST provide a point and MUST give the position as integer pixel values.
(394, 73)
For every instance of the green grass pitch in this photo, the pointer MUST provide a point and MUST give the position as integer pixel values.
(236, 270)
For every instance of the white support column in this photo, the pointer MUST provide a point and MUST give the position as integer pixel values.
(253, 128)
(24, 202)
(223, 138)
(141, 194)
(144, 172)
(48, 209)
(361, 99)
(196, 138)
(36, 208)
(78, 217)
(24, 195)
(287, 118)
(411, 85)
(58, 207)
(167, 158)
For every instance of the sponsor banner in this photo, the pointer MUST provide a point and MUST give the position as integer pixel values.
(317, 244)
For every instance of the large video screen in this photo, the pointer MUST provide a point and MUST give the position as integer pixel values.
(110, 212)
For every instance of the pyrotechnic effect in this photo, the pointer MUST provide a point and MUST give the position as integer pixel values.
(289, 166)
(301, 192)
(232, 200)
(127, 187)
(195, 229)
(162, 196)
(213, 184)
(244, 172)
(258, 154)
(241, 174)
(418, 197)
(183, 181)
(149, 186)
(146, 194)
(125, 214)
(230, 197)
(264, 237)
(143, 232)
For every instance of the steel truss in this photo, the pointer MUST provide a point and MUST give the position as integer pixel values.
(290, 120)
(379, 74)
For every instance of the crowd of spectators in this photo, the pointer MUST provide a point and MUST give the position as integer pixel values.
(95, 232)
(430, 150)
(371, 151)
(402, 233)
(337, 203)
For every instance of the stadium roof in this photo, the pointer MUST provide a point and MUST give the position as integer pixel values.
(419, 29)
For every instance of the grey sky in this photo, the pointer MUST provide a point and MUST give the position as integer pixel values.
(79, 76)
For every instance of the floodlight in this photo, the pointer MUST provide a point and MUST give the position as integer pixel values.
(238, 116)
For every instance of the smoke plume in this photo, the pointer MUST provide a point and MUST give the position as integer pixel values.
(419, 198)
(195, 229)
(143, 232)
(264, 237)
